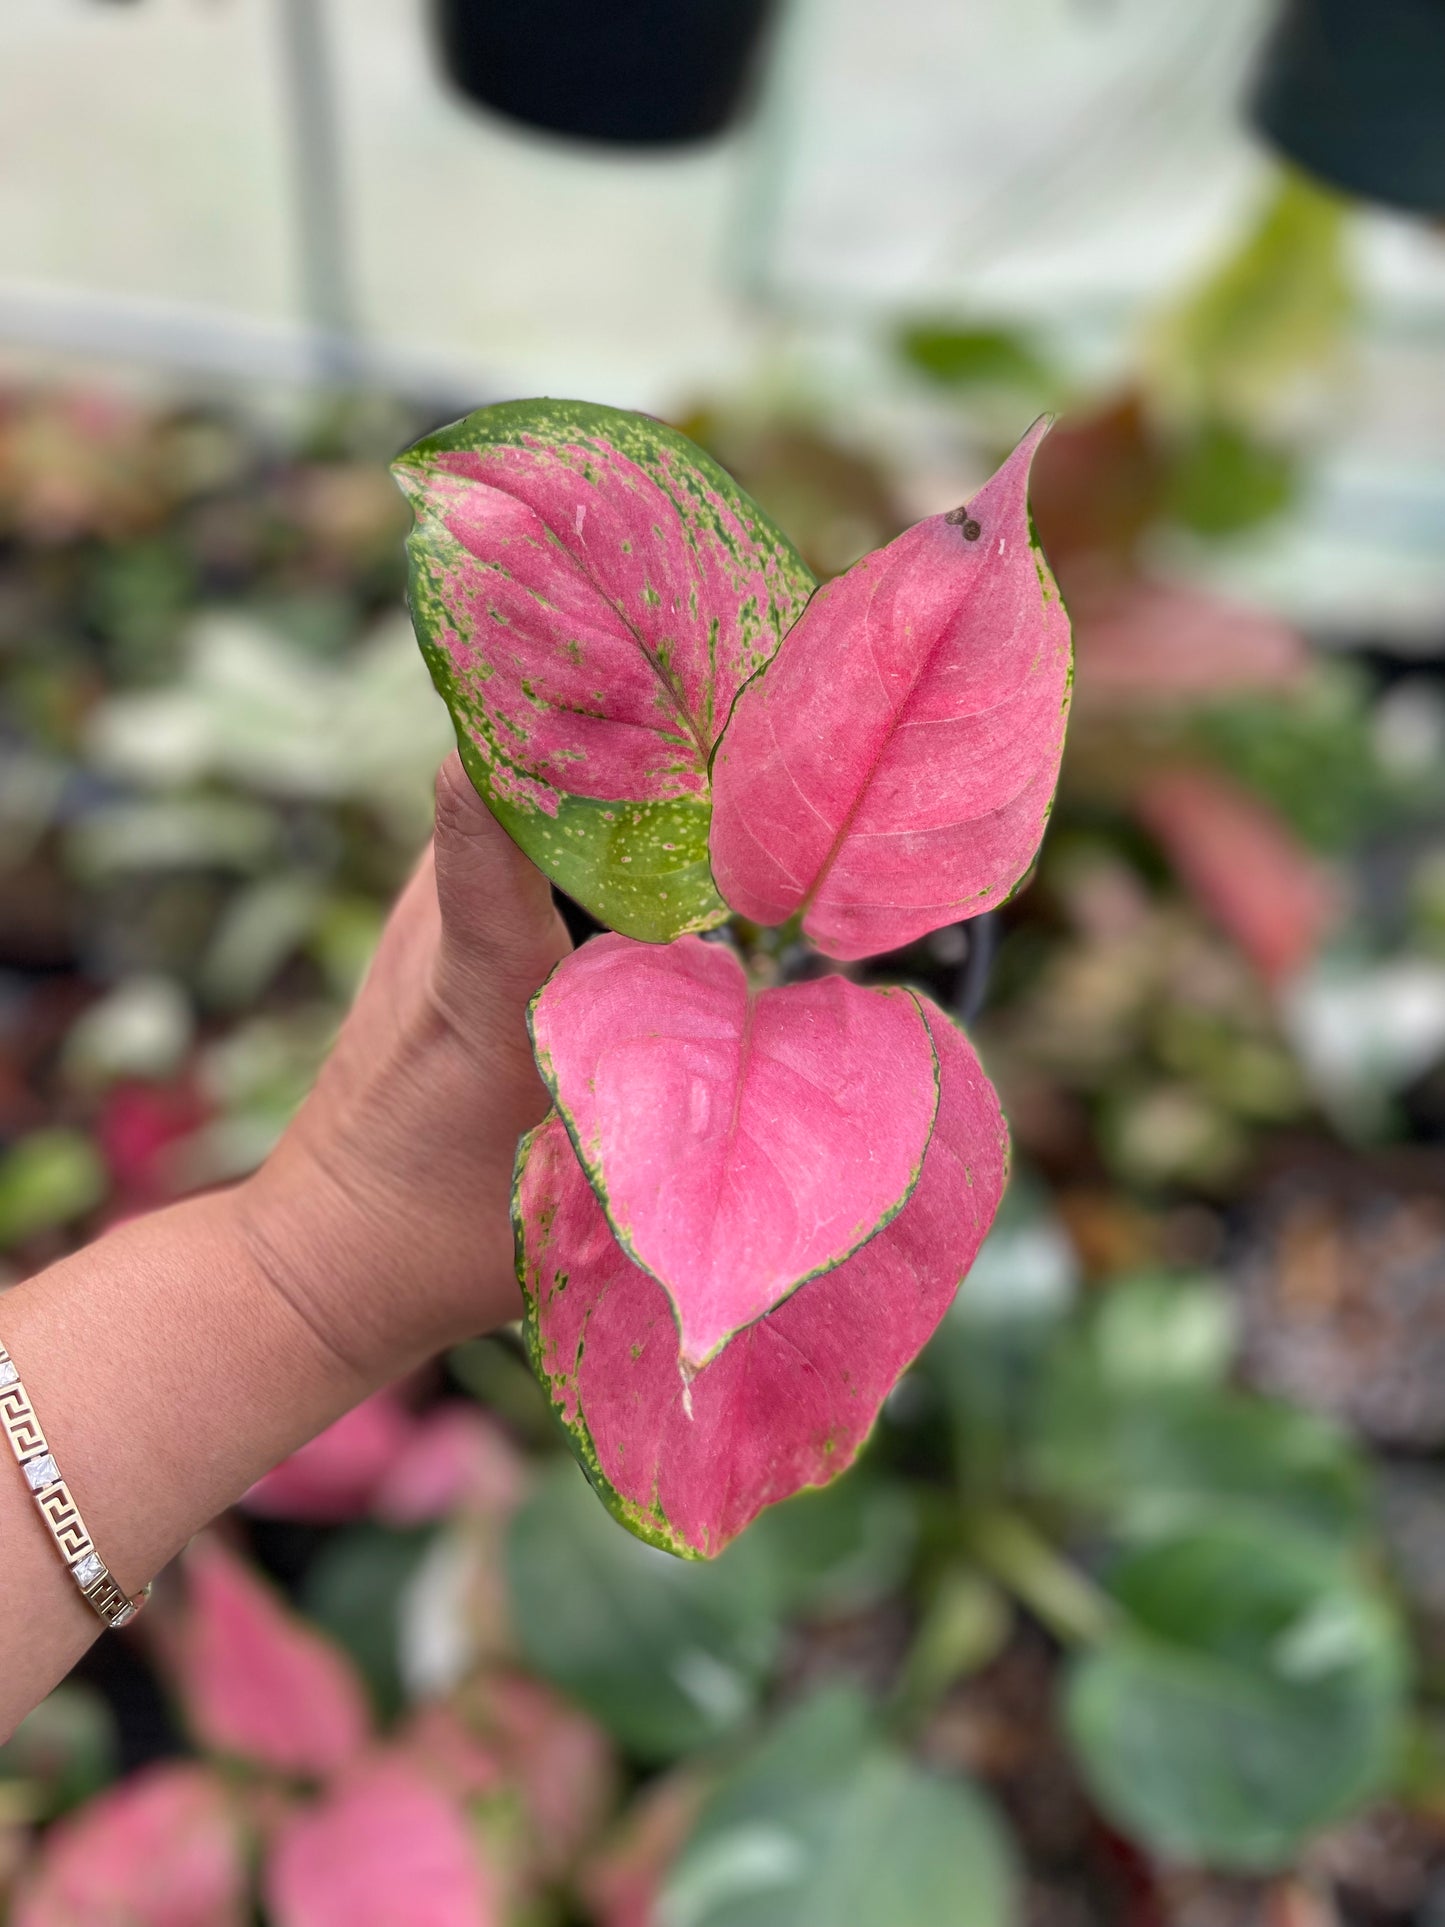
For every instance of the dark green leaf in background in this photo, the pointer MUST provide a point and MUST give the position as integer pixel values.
(1224, 480)
(669, 1655)
(354, 1591)
(958, 357)
(826, 1825)
(1253, 1696)
(1132, 1427)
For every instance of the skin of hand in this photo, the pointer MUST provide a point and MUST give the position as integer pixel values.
(181, 1355)
(383, 1215)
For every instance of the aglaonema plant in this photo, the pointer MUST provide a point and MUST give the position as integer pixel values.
(753, 1200)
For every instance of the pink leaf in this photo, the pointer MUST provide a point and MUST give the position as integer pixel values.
(1244, 865)
(160, 1850)
(510, 1735)
(384, 1848)
(789, 1402)
(441, 1743)
(333, 1477)
(561, 1762)
(256, 1680)
(623, 1885)
(457, 1458)
(1150, 644)
(893, 769)
(591, 591)
(740, 1141)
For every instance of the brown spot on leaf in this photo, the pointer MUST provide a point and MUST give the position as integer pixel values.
(960, 518)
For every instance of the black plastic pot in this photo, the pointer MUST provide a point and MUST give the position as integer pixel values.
(1354, 92)
(641, 72)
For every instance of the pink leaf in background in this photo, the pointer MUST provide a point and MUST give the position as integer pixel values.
(258, 1682)
(558, 1759)
(386, 1848)
(740, 1141)
(333, 1477)
(892, 770)
(507, 1736)
(441, 1743)
(1151, 644)
(789, 1402)
(457, 1458)
(161, 1850)
(1244, 865)
(138, 1130)
(623, 1884)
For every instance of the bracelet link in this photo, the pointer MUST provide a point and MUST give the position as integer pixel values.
(17, 1415)
(111, 1603)
(56, 1503)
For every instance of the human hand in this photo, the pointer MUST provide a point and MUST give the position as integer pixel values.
(383, 1216)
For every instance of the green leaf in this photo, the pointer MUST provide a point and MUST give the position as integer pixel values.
(1224, 480)
(977, 358)
(1158, 1330)
(670, 1655)
(354, 1589)
(66, 1748)
(1314, 754)
(1255, 1696)
(1269, 320)
(837, 1550)
(824, 1823)
(1149, 1458)
(986, 1356)
(590, 592)
(965, 1625)
(47, 1180)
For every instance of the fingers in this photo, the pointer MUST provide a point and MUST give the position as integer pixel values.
(498, 920)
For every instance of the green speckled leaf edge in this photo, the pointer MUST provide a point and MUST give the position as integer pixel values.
(651, 1526)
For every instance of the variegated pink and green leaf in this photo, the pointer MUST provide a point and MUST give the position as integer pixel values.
(893, 767)
(590, 591)
(789, 1401)
(739, 1141)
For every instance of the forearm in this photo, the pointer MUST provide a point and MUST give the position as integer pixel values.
(169, 1373)
(179, 1358)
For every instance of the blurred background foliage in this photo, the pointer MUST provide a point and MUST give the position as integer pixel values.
(1134, 1613)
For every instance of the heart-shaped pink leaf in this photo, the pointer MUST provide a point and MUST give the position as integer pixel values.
(740, 1141)
(386, 1846)
(258, 1682)
(161, 1850)
(591, 591)
(789, 1402)
(893, 768)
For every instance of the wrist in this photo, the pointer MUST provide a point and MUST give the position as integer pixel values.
(283, 1232)
(389, 1239)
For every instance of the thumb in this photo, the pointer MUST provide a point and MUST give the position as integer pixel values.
(500, 929)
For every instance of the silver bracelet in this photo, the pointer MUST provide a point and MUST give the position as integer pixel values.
(56, 1503)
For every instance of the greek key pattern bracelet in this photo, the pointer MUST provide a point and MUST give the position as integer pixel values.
(56, 1505)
